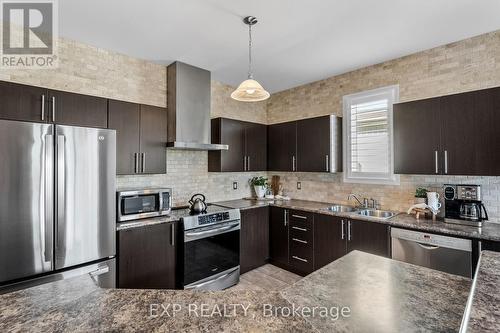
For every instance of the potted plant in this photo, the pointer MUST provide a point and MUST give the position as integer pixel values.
(259, 184)
(420, 195)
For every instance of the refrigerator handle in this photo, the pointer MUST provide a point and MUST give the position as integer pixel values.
(61, 185)
(48, 198)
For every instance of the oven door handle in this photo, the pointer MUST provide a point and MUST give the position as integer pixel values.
(206, 233)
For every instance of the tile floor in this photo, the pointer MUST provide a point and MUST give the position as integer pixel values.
(266, 278)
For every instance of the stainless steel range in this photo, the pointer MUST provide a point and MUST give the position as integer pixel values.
(211, 251)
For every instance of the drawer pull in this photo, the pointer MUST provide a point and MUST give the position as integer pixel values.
(299, 240)
(300, 217)
(299, 258)
(298, 228)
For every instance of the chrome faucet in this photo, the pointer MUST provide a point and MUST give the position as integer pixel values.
(365, 201)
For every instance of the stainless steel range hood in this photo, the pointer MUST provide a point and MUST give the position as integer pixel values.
(188, 107)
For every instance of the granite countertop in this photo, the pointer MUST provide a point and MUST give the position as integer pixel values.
(381, 295)
(489, 231)
(483, 306)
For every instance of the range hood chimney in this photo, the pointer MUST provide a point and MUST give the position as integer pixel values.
(188, 108)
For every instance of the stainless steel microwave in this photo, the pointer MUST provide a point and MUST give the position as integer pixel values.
(143, 203)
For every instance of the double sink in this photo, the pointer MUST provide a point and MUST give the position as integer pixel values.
(375, 213)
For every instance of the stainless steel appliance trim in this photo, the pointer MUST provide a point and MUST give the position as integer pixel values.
(97, 269)
(464, 222)
(299, 258)
(196, 146)
(343, 231)
(445, 161)
(436, 160)
(48, 221)
(43, 107)
(428, 247)
(53, 108)
(299, 240)
(298, 228)
(470, 299)
(125, 193)
(432, 239)
(221, 228)
(299, 216)
(218, 281)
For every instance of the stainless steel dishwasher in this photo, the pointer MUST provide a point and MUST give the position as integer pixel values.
(443, 253)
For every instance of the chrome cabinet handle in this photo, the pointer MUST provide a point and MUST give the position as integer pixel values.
(343, 231)
(43, 107)
(293, 163)
(300, 229)
(349, 230)
(143, 160)
(285, 217)
(327, 163)
(299, 240)
(248, 163)
(244, 163)
(136, 163)
(172, 230)
(445, 161)
(436, 161)
(53, 108)
(299, 258)
(300, 217)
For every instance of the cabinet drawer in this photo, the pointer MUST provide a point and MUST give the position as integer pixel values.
(301, 256)
(300, 234)
(301, 217)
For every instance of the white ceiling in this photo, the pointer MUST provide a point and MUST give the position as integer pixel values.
(295, 41)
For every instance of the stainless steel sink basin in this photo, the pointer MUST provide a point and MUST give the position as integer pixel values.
(381, 214)
(341, 209)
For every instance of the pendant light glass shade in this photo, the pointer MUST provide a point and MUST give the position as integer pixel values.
(250, 91)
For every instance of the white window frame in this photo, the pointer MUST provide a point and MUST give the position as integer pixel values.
(391, 93)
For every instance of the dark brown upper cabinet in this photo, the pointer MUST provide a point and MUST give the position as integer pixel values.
(313, 144)
(77, 110)
(282, 147)
(448, 135)
(141, 136)
(125, 119)
(22, 102)
(247, 146)
(153, 139)
(27, 103)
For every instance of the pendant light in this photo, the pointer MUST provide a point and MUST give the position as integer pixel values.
(250, 90)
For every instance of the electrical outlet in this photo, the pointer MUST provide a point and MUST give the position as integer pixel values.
(299, 185)
(235, 185)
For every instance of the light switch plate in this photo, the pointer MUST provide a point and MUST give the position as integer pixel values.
(299, 185)
(235, 185)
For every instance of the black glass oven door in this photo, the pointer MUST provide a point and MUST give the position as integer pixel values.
(208, 256)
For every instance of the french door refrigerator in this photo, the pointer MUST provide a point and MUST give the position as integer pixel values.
(57, 203)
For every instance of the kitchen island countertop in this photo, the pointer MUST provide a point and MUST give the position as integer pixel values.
(381, 294)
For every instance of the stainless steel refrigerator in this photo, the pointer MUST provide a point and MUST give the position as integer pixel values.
(57, 203)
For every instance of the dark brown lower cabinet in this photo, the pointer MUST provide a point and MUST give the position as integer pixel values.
(278, 234)
(370, 237)
(147, 257)
(254, 239)
(329, 239)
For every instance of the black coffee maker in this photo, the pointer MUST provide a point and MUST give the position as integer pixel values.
(462, 205)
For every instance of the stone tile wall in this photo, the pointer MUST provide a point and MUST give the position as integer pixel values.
(462, 66)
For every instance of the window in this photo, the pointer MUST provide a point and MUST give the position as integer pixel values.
(367, 128)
